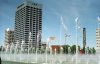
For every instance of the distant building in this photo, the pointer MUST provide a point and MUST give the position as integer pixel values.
(43, 47)
(84, 37)
(9, 37)
(43, 44)
(55, 48)
(98, 39)
(28, 18)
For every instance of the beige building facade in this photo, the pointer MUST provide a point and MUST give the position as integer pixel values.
(98, 39)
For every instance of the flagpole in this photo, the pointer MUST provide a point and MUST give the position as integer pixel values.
(60, 38)
(76, 39)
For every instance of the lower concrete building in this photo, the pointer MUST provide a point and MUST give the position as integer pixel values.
(9, 37)
(55, 48)
(98, 40)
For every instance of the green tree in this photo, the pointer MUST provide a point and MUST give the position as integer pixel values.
(73, 49)
(65, 49)
(93, 50)
(84, 49)
(79, 48)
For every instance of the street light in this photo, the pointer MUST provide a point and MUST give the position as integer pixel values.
(65, 40)
(66, 37)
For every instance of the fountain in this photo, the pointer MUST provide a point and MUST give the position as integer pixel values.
(69, 50)
(51, 58)
(17, 47)
(12, 48)
(61, 51)
(55, 51)
(22, 49)
(17, 53)
(7, 49)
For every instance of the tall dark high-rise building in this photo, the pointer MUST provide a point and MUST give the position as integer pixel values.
(84, 37)
(28, 18)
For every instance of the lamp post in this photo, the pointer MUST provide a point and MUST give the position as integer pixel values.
(65, 40)
(66, 44)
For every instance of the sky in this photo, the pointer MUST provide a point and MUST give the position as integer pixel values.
(87, 11)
